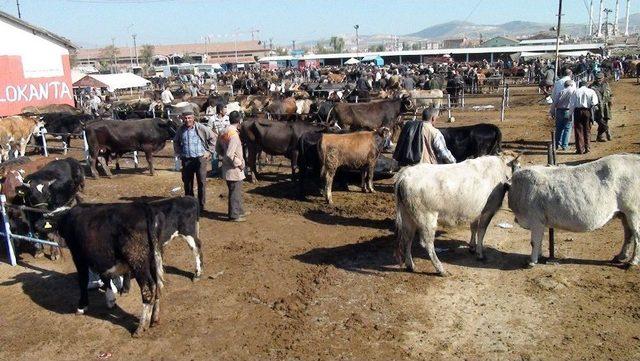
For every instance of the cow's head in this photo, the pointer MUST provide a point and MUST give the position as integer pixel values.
(170, 126)
(35, 194)
(511, 160)
(406, 104)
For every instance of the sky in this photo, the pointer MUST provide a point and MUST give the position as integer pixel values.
(94, 23)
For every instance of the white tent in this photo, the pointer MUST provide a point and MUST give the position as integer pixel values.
(352, 61)
(121, 81)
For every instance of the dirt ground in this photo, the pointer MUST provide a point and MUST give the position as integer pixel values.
(301, 280)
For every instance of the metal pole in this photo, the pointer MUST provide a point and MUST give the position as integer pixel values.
(86, 146)
(590, 31)
(43, 132)
(626, 21)
(504, 100)
(508, 95)
(19, 14)
(135, 158)
(599, 33)
(449, 105)
(135, 49)
(462, 100)
(7, 230)
(558, 37)
(615, 23)
(551, 160)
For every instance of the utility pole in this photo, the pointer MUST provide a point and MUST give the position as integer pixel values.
(615, 23)
(599, 34)
(606, 25)
(293, 45)
(590, 31)
(113, 53)
(558, 38)
(626, 22)
(18, 5)
(357, 39)
(135, 49)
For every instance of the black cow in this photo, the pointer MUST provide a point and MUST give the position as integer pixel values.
(371, 115)
(55, 185)
(65, 125)
(472, 141)
(118, 137)
(114, 240)
(274, 138)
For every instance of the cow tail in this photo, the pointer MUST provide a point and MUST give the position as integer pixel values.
(400, 233)
(153, 229)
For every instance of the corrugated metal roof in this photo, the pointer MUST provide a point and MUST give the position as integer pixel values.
(38, 30)
(431, 52)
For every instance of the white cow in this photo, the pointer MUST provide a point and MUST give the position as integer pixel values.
(579, 199)
(469, 191)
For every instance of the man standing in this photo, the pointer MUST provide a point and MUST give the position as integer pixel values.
(230, 148)
(602, 113)
(166, 98)
(581, 104)
(194, 144)
(434, 148)
(561, 112)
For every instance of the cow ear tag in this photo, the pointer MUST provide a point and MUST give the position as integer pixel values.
(47, 225)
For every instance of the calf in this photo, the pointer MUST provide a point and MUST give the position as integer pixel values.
(12, 176)
(451, 193)
(579, 199)
(55, 185)
(472, 141)
(181, 222)
(65, 125)
(359, 150)
(15, 133)
(114, 240)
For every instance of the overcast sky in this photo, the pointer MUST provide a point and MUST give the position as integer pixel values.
(93, 23)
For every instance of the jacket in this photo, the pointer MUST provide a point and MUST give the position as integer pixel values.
(229, 147)
(204, 133)
(410, 147)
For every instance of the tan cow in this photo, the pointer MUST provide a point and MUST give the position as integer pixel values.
(52, 108)
(424, 98)
(15, 133)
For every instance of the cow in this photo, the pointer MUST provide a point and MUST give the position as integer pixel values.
(181, 222)
(118, 137)
(114, 240)
(12, 176)
(424, 98)
(66, 125)
(359, 150)
(282, 109)
(51, 108)
(472, 141)
(274, 138)
(449, 193)
(371, 115)
(16, 132)
(580, 198)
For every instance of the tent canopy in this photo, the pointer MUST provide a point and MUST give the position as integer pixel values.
(113, 81)
(377, 59)
(564, 54)
(352, 61)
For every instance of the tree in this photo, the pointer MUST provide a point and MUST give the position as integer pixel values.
(415, 46)
(376, 48)
(108, 55)
(73, 58)
(337, 44)
(282, 51)
(320, 48)
(146, 54)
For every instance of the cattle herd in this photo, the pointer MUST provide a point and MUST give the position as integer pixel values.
(319, 132)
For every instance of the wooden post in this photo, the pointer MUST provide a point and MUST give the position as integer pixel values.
(504, 100)
(551, 161)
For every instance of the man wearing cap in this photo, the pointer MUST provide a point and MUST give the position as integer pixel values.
(581, 104)
(230, 148)
(602, 113)
(194, 144)
(561, 112)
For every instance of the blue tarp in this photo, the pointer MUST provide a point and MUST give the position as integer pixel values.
(376, 59)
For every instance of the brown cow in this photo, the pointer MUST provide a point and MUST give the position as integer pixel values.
(282, 109)
(336, 78)
(359, 150)
(15, 133)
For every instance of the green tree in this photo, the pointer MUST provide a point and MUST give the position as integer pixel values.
(282, 51)
(337, 44)
(146, 54)
(415, 46)
(376, 48)
(321, 49)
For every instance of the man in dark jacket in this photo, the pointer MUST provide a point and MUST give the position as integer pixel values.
(602, 113)
(193, 144)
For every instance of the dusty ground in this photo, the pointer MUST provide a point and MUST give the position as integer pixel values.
(301, 280)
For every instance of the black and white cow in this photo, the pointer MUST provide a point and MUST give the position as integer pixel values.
(114, 240)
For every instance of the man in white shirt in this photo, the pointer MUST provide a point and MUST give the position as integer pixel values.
(166, 98)
(561, 112)
(558, 86)
(581, 104)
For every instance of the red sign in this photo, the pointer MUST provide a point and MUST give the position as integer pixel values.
(17, 92)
